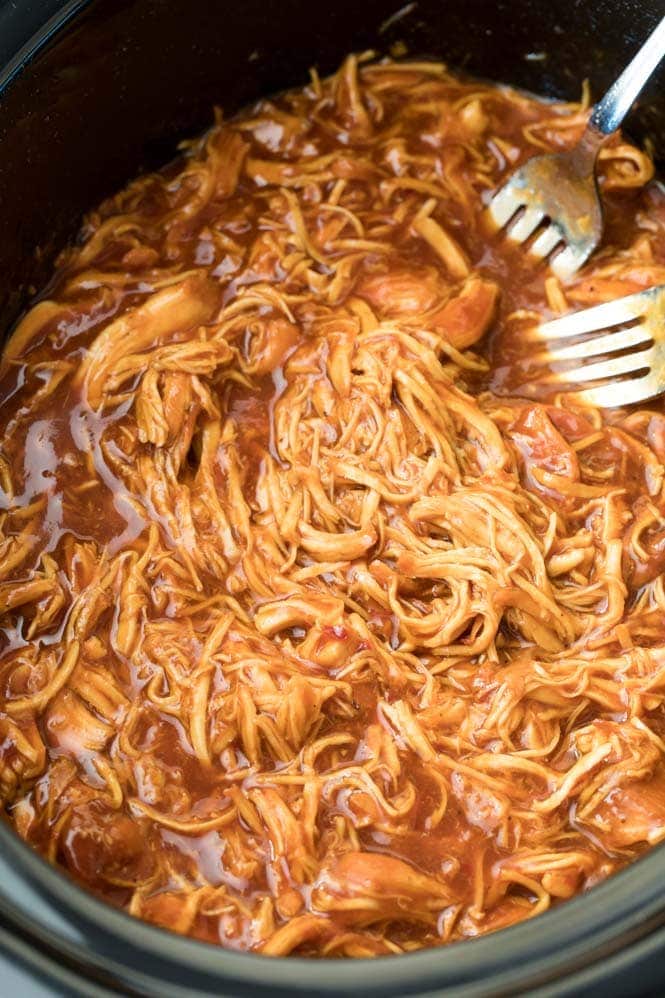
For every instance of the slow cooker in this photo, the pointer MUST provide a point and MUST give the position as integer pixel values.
(93, 92)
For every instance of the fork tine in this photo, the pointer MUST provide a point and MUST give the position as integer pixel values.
(629, 364)
(503, 206)
(569, 260)
(590, 320)
(621, 339)
(546, 241)
(525, 225)
(622, 393)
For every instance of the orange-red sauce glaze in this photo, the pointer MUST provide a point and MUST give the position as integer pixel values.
(237, 698)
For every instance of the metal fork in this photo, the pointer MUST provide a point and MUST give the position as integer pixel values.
(558, 191)
(634, 353)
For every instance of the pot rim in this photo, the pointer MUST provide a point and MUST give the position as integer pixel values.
(578, 933)
(622, 910)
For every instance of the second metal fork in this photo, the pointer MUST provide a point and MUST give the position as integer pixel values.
(625, 366)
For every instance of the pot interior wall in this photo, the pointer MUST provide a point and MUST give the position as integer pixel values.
(113, 93)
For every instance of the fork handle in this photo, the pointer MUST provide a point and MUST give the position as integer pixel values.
(608, 113)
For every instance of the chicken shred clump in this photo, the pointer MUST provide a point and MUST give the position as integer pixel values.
(318, 636)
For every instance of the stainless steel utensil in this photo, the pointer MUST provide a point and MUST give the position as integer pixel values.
(627, 365)
(558, 192)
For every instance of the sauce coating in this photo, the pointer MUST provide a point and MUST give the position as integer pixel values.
(317, 635)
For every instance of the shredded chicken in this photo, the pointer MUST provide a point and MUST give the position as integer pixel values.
(316, 638)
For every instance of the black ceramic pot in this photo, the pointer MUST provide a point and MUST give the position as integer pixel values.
(92, 92)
